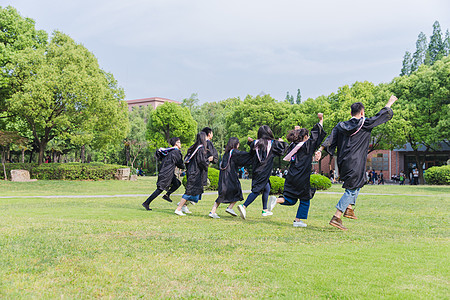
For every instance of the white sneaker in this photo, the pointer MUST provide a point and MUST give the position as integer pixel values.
(242, 211)
(266, 213)
(231, 212)
(180, 213)
(185, 209)
(299, 224)
(192, 202)
(272, 202)
(214, 216)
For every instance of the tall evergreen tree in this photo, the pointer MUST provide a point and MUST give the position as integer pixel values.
(299, 97)
(421, 50)
(447, 43)
(436, 47)
(407, 64)
(289, 98)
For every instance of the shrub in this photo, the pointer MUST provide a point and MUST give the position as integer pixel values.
(213, 180)
(276, 185)
(320, 182)
(317, 181)
(438, 175)
(67, 171)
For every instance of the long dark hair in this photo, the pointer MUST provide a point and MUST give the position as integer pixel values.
(265, 135)
(233, 142)
(297, 135)
(201, 140)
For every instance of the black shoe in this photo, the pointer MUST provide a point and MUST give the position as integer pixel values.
(167, 198)
(145, 205)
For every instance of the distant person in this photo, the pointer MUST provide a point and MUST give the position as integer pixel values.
(351, 139)
(381, 181)
(415, 176)
(402, 178)
(211, 154)
(167, 180)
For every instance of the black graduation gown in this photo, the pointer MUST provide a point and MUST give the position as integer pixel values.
(229, 185)
(195, 169)
(262, 170)
(352, 149)
(297, 184)
(211, 151)
(166, 173)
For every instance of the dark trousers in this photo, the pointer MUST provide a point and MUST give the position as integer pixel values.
(252, 196)
(303, 207)
(174, 185)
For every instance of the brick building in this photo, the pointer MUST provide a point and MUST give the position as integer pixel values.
(153, 101)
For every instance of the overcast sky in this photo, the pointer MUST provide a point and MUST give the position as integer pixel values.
(232, 48)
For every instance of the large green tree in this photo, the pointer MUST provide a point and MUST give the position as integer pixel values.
(420, 53)
(423, 107)
(60, 91)
(435, 49)
(170, 120)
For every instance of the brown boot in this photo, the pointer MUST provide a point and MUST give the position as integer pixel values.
(350, 213)
(337, 222)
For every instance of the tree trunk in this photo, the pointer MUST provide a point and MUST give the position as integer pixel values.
(3, 164)
(23, 155)
(419, 165)
(83, 154)
(42, 147)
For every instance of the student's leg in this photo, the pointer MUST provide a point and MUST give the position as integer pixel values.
(302, 211)
(180, 205)
(251, 197)
(265, 196)
(155, 194)
(348, 199)
(215, 206)
(175, 184)
(287, 201)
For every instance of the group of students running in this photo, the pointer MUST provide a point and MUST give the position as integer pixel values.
(350, 139)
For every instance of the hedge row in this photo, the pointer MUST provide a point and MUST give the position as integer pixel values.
(67, 171)
(317, 181)
(438, 175)
(213, 180)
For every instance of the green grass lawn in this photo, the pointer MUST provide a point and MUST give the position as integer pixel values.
(113, 248)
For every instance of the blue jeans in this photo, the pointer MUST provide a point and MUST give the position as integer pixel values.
(349, 198)
(303, 207)
(252, 196)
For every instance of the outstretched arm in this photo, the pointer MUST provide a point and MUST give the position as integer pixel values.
(391, 101)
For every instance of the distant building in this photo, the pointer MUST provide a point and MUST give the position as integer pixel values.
(153, 101)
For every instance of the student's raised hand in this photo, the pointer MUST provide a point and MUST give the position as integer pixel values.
(280, 140)
(318, 155)
(296, 127)
(320, 116)
(210, 158)
(250, 139)
(391, 101)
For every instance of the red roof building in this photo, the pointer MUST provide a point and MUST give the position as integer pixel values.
(153, 101)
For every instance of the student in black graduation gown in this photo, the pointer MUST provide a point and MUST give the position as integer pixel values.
(351, 139)
(167, 180)
(229, 185)
(196, 162)
(210, 152)
(297, 185)
(264, 149)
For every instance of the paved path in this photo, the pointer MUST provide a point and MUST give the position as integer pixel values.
(207, 193)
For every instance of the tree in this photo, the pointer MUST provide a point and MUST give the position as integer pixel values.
(436, 46)
(16, 34)
(423, 107)
(289, 98)
(60, 91)
(170, 120)
(421, 51)
(299, 97)
(446, 43)
(191, 103)
(136, 138)
(6, 139)
(407, 64)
